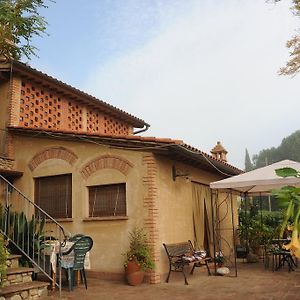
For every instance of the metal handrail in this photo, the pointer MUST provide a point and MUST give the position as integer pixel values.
(36, 206)
(23, 223)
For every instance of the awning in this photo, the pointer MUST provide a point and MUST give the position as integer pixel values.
(262, 180)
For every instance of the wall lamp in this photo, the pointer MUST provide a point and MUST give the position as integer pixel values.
(178, 173)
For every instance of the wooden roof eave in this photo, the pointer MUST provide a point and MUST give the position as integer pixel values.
(117, 142)
(179, 152)
(10, 173)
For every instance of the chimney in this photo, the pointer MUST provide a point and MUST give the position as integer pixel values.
(219, 152)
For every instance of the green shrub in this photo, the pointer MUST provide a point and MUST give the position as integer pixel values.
(3, 259)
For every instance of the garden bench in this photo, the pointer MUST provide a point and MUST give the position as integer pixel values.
(183, 254)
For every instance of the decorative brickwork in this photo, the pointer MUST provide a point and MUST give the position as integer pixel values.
(150, 202)
(41, 108)
(75, 119)
(102, 124)
(106, 162)
(114, 127)
(56, 152)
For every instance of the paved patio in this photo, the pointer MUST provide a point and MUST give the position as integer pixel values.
(253, 282)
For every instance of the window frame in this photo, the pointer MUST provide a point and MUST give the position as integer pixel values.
(58, 209)
(105, 211)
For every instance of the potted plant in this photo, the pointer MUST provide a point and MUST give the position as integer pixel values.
(138, 257)
(219, 259)
(256, 233)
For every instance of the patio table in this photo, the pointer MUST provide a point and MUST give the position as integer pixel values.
(281, 255)
(52, 250)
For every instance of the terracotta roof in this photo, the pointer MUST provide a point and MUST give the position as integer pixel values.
(213, 159)
(40, 77)
(165, 146)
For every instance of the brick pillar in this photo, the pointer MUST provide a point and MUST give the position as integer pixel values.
(14, 113)
(14, 106)
(150, 203)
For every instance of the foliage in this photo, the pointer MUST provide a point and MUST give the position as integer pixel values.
(3, 258)
(292, 67)
(219, 257)
(258, 229)
(288, 149)
(26, 234)
(139, 249)
(287, 172)
(289, 195)
(248, 163)
(19, 23)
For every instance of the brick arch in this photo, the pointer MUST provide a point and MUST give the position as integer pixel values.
(50, 153)
(106, 162)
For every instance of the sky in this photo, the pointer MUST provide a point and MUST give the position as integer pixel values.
(200, 71)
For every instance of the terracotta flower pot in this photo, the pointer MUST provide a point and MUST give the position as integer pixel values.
(132, 266)
(135, 278)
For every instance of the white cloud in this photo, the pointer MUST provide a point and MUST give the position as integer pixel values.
(208, 75)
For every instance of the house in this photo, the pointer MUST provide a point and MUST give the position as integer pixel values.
(84, 163)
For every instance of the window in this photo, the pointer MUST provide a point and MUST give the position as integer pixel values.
(107, 200)
(54, 195)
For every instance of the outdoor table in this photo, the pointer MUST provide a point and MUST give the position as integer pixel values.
(284, 256)
(52, 250)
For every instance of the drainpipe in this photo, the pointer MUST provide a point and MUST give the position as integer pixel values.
(142, 130)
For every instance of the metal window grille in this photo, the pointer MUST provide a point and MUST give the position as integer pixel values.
(54, 195)
(107, 200)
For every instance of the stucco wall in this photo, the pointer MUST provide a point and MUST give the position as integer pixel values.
(110, 236)
(176, 207)
(154, 201)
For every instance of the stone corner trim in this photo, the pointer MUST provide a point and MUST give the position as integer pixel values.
(106, 162)
(50, 153)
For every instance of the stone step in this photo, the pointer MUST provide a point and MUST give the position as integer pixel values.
(18, 275)
(13, 260)
(24, 291)
(19, 270)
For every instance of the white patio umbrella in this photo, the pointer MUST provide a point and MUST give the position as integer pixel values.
(262, 180)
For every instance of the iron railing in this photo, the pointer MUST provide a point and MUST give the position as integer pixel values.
(30, 231)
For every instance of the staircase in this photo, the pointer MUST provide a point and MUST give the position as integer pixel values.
(19, 285)
(27, 227)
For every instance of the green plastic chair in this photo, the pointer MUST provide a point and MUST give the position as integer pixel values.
(80, 248)
(76, 237)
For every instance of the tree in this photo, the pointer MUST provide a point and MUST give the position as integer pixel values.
(248, 163)
(292, 67)
(288, 149)
(19, 23)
